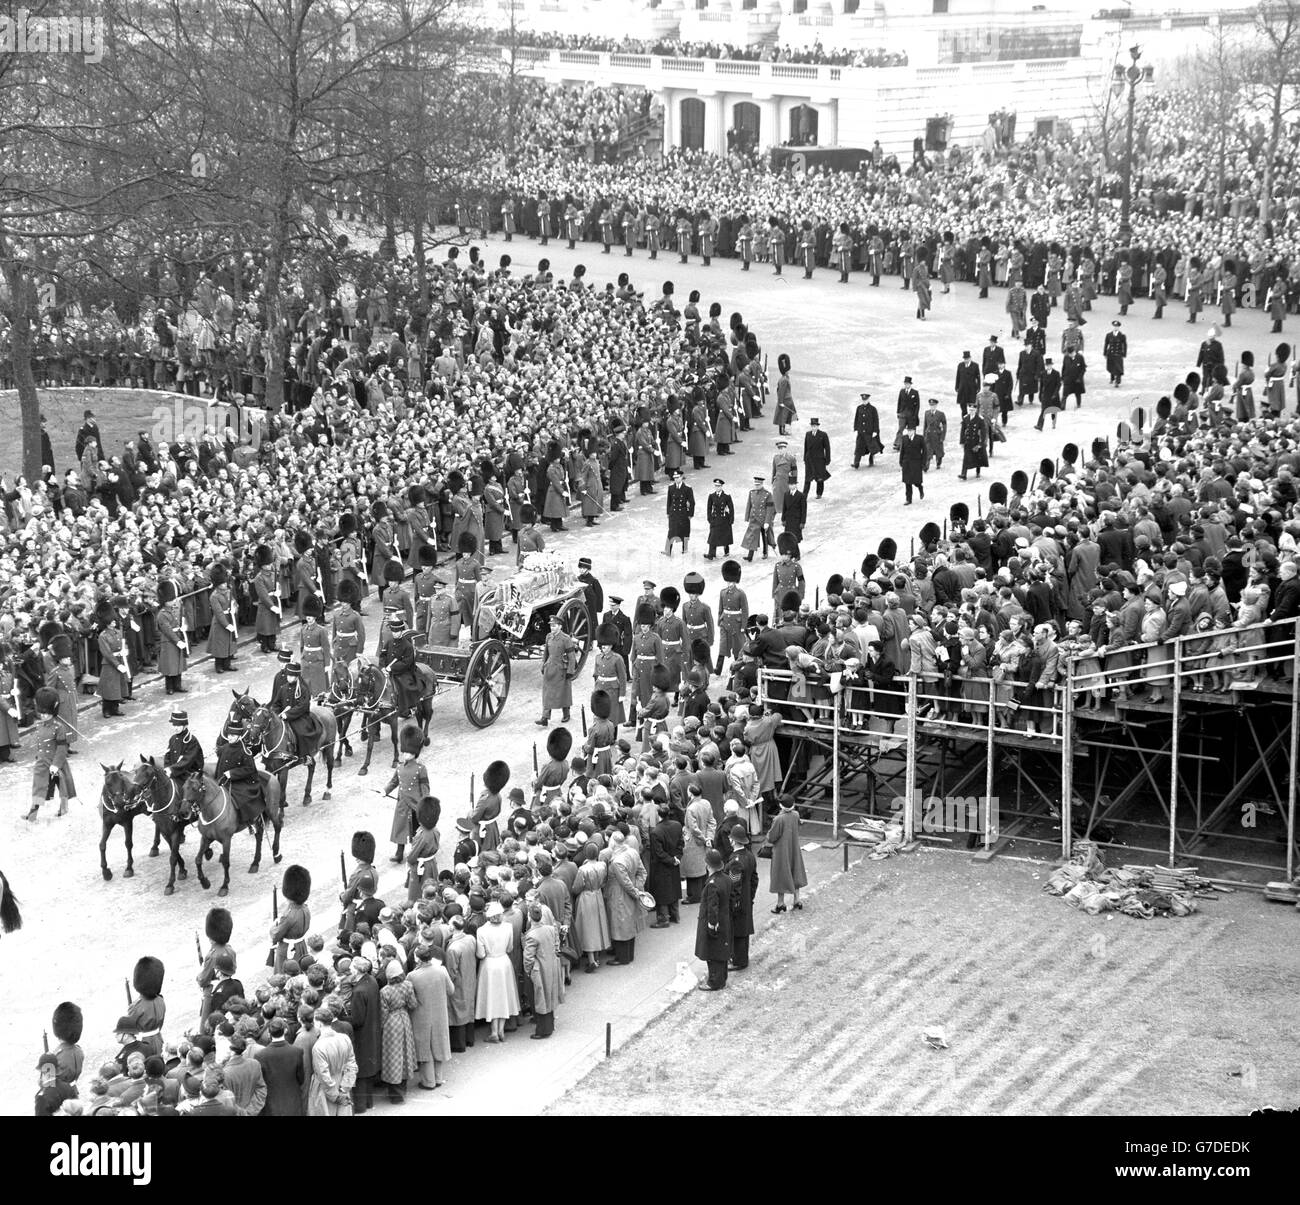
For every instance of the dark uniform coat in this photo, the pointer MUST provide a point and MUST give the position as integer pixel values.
(681, 507)
(866, 425)
(721, 512)
(713, 929)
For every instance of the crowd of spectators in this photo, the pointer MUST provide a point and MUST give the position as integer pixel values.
(677, 48)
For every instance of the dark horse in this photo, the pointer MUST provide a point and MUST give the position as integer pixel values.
(279, 746)
(341, 699)
(241, 709)
(210, 806)
(164, 806)
(377, 702)
(118, 804)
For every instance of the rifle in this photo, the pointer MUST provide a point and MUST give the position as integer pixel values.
(126, 983)
(185, 634)
(198, 948)
(45, 1040)
(343, 869)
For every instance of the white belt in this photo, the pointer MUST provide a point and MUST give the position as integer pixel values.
(420, 864)
(293, 941)
(670, 644)
(697, 627)
(599, 749)
(733, 612)
(640, 658)
(149, 1033)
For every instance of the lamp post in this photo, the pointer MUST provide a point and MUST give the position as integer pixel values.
(1129, 77)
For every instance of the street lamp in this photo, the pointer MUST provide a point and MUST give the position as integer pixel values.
(1129, 77)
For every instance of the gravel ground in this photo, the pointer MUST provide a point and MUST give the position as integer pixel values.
(1046, 1010)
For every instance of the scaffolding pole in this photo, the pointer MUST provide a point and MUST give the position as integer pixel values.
(1295, 748)
(1067, 762)
(909, 788)
(835, 763)
(1173, 750)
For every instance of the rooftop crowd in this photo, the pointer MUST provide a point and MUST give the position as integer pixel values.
(677, 48)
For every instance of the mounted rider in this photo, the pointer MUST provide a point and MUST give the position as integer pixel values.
(184, 754)
(237, 771)
(401, 667)
(293, 704)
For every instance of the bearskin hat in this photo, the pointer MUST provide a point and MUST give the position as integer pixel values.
(46, 701)
(835, 584)
(219, 925)
(998, 493)
(296, 884)
(1100, 448)
(693, 583)
(105, 616)
(602, 706)
(1138, 417)
(147, 978)
(959, 514)
(737, 319)
(930, 534)
(218, 575)
(661, 678)
(349, 592)
(1181, 393)
(1047, 468)
(783, 363)
(66, 1022)
(645, 615)
(262, 556)
(416, 495)
(731, 571)
(558, 744)
(429, 812)
(363, 846)
(700, 651)
(455, 481)
(301, 541)
(347, 523)
(790, 601)
(1282, 352)
(670, 598)
(495, 777)
(410, 739)
(378, 509)
(166, 591)
(1163, 407)
(1070, 453)
(668, 288)
(49, 630)
(61, 646)
(428, 555)
(467, 545)
(311, 606)
(786, 544)
(608, 634)
(1019, 481)
(888, 550)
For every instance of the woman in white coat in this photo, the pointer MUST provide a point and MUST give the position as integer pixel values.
(498, 993)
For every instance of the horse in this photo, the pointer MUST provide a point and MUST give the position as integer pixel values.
(377, 702)
(280, 751)
(210, 806)
(11, 917)
(341, 699)
(163, 804)
(242, 708)
(118, 804)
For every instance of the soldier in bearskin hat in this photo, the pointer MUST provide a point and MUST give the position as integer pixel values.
(601, 735)
(289, 933)
(647, 652)
(672, 636)
(305, 571)
(68, 1057)
(733, 614)
(787, 573)
(347, 628)
(697, 616)
(411, 782)
(422, 857)
(314, 648)
(488, 807)
(609, 672)
(224, 630)
(363, 851)
(555, 773)
(51, 765)
(173, 640)
(61, 677)
(114, 686)
(140, 1027)
(266, 590)
(218, 927)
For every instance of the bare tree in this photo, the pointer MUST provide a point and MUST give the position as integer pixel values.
(1277, 72)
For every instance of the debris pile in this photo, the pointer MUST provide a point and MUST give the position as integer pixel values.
(1085, 882)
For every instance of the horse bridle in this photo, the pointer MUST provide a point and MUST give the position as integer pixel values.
(130, 794)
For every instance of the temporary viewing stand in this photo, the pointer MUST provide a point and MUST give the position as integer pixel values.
(1133, 750)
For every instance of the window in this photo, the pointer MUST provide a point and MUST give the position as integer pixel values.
(940, 6)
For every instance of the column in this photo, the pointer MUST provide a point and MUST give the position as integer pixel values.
(769, 121)
(715, 130)
(670, 100)
(828, 132)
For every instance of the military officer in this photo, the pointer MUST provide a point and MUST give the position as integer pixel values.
(184, 754)
(760, 511)
(866, 427)
(680, 505)
(622, 625)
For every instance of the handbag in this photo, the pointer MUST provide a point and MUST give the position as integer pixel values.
(764, 851)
